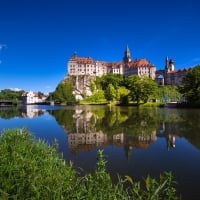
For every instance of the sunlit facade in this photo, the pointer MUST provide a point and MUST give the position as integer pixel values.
(78, 66)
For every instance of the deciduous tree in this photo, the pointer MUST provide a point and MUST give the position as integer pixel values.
(64, 92)
(141, 88)
(191, 85)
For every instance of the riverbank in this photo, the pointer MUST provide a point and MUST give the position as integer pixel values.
(34, 169)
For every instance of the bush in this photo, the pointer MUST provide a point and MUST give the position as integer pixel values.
(31, 169)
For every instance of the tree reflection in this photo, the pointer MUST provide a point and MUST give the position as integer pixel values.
(10, 112)
(89, 128)
(29, 111)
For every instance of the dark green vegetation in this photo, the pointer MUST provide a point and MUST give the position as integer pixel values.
(116, 89)
(191, 87)
(33, 169)
(15, 96)
(63, 93)
(133, 90)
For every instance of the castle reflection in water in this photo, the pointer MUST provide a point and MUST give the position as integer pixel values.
(84, 136)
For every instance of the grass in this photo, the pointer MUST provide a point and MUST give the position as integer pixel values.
(33, 169)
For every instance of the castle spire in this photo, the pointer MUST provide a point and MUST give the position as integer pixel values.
(127, 55)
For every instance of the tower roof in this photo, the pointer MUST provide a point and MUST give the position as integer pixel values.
(127, 55)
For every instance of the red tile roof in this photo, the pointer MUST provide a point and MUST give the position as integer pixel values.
(114, 64)
(140, 63)
(84, 60)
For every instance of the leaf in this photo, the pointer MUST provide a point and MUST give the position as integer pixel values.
(129, 179)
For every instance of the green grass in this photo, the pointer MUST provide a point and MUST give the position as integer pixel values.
(33, 169)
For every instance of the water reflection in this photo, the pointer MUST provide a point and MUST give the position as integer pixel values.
(125, 127)
(28, 111)
(31, 111)
(89, 127)
(137, 142)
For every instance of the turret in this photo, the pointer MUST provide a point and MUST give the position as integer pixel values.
(127, 55)
(169, 64)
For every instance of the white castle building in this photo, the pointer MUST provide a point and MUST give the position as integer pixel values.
(87, 66)
(85, 69)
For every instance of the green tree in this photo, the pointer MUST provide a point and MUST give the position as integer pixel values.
(149, 88)
(110, 92)
(9, 94)
(168, 93)
(141, 88)
(64, 92)
(122, 95)
(115, 79)
(191, 85)
(97, 97)
(134, 85)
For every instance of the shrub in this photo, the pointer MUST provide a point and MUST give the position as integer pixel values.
(31, 169)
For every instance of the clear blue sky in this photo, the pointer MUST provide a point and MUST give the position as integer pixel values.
(37, 37)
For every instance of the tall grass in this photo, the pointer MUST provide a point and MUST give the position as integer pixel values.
(31, 169)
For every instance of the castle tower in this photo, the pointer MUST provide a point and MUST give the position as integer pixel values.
(127, 55)
(169, 65)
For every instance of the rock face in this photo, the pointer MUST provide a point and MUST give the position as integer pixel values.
(81, 85)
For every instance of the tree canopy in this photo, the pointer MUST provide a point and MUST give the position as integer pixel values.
(115, 79)
(64, 92)
(141, 88)
(191, 85)
(9, 94)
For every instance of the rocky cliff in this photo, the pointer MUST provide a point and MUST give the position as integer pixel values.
(81, 85)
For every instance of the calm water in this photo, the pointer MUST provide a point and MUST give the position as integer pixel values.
(136, 142)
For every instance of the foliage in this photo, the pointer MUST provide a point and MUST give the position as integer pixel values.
(191, 85)
(153, 189)
(133, 88)
(168, 93)
(115, 79)
(110, 92)
(97, 97)
(92, 86)
(63, 93)
(9, 94)
(98, 185)
(141, 88)
(122, 92)
(32, 169)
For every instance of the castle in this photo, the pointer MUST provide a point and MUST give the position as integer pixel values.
(87, 66)
(170, 76)
(85, 69)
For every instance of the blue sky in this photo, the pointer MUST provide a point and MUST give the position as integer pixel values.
(37, 37)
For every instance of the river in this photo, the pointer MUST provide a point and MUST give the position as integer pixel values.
(136, 141)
